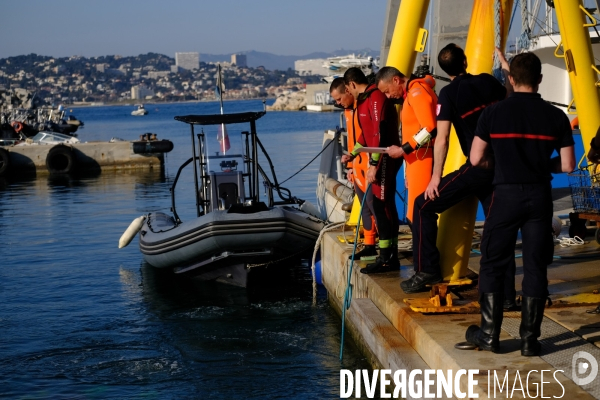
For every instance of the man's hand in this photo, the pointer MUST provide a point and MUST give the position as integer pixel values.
(502, 59)
(346, 158)
(371, 173)
(350, 175)
(394, 151)
(432, 189)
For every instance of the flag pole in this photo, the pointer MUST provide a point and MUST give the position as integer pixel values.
(220, 90)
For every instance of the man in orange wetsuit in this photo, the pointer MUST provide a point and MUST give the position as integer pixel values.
(358, 167)
(418, 112)
(378, 121)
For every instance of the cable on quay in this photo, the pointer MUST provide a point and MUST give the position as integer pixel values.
(348, 293)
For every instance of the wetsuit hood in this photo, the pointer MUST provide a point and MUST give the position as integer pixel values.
(426, 80)
(364, 95)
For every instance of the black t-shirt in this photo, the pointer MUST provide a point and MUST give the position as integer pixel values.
(463, 101)
(523, 131)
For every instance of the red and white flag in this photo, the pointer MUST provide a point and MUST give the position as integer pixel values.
(223, 139)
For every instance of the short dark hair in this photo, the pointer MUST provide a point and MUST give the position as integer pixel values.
(338, 84)
(387, 73)
(355, 75)
(452, 60)
(526, 69)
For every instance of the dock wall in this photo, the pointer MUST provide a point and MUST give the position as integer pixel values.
(90, 156)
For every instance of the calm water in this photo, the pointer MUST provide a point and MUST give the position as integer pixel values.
(80, 319)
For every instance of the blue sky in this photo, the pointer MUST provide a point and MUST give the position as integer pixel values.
(130, 27)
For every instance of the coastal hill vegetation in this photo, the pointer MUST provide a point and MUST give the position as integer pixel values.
(110, 79)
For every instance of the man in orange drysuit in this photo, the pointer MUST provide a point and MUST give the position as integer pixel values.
(357, 168)
(378, 121)
(418, 112)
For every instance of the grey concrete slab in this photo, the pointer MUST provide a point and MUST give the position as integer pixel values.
(88, 155)
(433, 336)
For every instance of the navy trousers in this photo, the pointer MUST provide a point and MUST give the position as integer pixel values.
(453, 188)
(527, 207)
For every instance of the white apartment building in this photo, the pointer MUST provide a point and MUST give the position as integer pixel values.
(140, 92)
(239, 60)
(311, 67)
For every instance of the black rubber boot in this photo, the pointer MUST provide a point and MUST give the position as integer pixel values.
(367, 251)
(394, 259)
(384, 263)
(487, 336)
(510, 303)
(532, 314)
(419, 282)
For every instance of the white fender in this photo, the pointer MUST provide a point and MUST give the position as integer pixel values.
(131, 231)
(310, 209)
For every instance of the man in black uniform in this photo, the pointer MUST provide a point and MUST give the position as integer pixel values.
(459, 104)
(522, 133)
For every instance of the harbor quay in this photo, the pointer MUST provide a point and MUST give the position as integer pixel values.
(415, 349)
(89, 156)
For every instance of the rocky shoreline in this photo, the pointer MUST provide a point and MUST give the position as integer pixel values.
(293, 101)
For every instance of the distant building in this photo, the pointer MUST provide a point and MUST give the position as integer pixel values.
(140, 92)
(187, 60)
(239, 60)
(311, 67)
(175, 68)
(157, 74)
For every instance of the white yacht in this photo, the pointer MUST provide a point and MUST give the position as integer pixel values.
(140, 111)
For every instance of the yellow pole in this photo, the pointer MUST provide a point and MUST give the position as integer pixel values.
(456, 225)
(579, 59)
(560, 52)
(409, 37)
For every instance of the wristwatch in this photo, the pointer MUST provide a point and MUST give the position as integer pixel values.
(407, 148)
(593, 146)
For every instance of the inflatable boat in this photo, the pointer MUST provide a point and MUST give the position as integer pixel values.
(234, 230)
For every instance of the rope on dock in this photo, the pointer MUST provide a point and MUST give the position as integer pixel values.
(314, 257)
(348, 294)
(568, 242)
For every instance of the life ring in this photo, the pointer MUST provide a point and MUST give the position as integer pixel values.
(17, 126)
(4, 161)
(60, 160)
(575, 123)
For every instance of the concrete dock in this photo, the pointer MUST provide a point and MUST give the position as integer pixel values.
(395, 337)
(88, 156)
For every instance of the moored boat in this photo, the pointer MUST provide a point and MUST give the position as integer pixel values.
(233, 230)
(140, 111)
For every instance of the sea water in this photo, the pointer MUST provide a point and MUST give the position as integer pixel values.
(81, 319)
